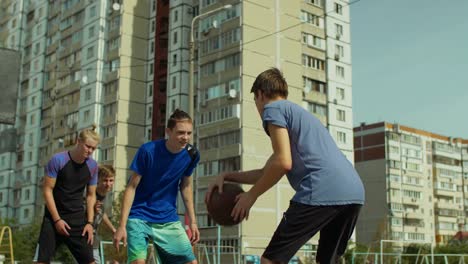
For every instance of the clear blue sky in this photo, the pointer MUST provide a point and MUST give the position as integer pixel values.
(410, 64)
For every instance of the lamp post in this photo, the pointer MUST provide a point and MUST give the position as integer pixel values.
(192, 56)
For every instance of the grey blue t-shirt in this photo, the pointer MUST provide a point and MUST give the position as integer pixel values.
(321, 174)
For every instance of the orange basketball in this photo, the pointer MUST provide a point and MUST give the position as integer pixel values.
(220, 205)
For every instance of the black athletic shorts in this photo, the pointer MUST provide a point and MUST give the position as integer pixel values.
(49, 240)
(301, 222)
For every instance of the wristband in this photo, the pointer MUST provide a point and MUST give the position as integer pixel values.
(90, 223)
(56, 221)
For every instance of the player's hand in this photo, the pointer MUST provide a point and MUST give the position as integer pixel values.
(244, 202)
(88, 229)
(120, 234)
(219, 181)
(195, 234)
(62, 227)
(97, 207)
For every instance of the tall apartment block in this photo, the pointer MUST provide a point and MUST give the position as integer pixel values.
(416, 184)
(83, 62)
(308, 40)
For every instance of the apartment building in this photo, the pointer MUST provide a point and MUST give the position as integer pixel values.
(83, 62)
(233, 42)
(416, 184)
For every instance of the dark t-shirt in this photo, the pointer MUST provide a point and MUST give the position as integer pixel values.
(71, 181)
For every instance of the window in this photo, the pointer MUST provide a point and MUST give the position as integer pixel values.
(339, 50)
(340, 93)
(153, 25)
(313, 41)
(313, 85)
(90, 32)
(311, 19)
(26, 213)
(174, 59)
(150, 90)
(339, 30)
(87, 94)
(176, 15)
(86, 116)
(90, 52)
(174, 82)
(340, 115)
(149, 114)
(174, 38)
(33, 101)
(314, 2)
(340, 71)
(338, 9)
(92, 11)
(312, 62)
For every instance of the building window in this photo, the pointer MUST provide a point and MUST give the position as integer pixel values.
(314, 2)
(174, 59)
(87, 94)
(92, 11)
(340, 93)
(312, 62)
(176, 15)
(173, 105)
(311, 19)
(86, 116)
(174, 82)
(150, 113)
(153, 25)
(340, 71)
(340, 115)
(341, 137)
(150, 90)
(339, 50)
(174, 38)
(313, 41)
(338, 9)
(91, 32)
(313, 85)
(26, 213)
(90, 52)
(339, 30)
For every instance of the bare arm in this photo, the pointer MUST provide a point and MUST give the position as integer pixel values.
(279, 163)
(108, 223)
(90, 202)
(129, 196)
(48, 188)
(186, 191)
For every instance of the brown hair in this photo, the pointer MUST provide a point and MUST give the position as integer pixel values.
(272, 84)
(105, 171)
(89, 133)
(178, 116)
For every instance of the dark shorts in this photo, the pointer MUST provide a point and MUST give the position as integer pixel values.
(49, 240)
(301, 222)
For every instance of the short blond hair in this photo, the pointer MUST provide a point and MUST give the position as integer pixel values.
(89, 133)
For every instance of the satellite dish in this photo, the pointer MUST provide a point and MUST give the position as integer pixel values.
(84, 79)
(215, 23)
(116, 6)
(232, 93)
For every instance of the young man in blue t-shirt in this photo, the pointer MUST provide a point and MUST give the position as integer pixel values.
(329, 192)
(161, 168)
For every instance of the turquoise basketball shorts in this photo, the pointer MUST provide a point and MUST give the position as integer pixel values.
(170, 241)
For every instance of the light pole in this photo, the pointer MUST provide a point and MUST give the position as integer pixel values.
(192, 57)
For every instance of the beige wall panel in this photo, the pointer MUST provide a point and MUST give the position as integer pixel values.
(258, 16)
(131, 135)
(129, 68)
(134, 47)
(133, 25)
(131, 90)
(131, 112)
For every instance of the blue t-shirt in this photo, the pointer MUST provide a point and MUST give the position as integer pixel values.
(161, 172)
(321, 174)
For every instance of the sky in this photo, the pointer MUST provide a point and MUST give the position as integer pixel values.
(410, 64)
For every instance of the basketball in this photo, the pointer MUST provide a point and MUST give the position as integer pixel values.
(220, 205)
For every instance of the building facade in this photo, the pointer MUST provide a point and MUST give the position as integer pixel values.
(83, 62)
(416, 184)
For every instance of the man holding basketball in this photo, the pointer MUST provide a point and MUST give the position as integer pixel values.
(161, 168)
(329, 192)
